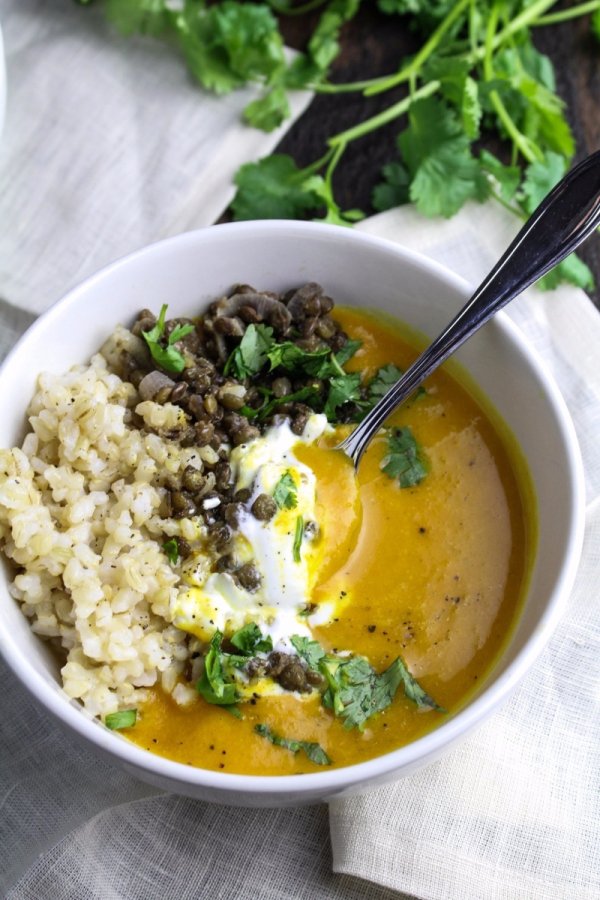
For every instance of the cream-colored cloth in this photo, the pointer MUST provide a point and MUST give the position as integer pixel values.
(514, 812)
(108, 145)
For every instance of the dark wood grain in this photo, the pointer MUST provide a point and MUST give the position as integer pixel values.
(373, 44)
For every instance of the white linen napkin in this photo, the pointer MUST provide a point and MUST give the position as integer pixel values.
(108, 145)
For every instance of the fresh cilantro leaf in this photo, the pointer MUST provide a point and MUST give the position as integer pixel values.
(250, 355)
(298, 535)
(275, 188)
(310, 651)
(318, 363)
(323, 45)
(405, 459)
(168, 357)
(355, 691)
(412, 688)
(269, 111)
(313, 750)
(285, 494)
(382, 381)
(347, 351)
(508, 178)
(230, 43)
(540, 178)
(437, 152)
(525, 80)
(342, 389)
(290, 356)
(171, 548)
(125, 718)
(457, 86)
(572, 270)
(212, 685)
(250, 640)
(394, 189)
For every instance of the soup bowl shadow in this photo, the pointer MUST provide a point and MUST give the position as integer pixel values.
(187, 272)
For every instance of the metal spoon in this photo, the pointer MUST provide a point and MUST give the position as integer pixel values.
(565, 218)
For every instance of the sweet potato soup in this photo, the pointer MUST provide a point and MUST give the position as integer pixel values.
(422, 558)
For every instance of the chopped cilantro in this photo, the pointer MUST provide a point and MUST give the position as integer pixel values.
(285, 494)
(292, 357)
(318, 363)
(168, 357)
(405, 459)
(313, 750)
(249, 640)
(125, 718)
(298, 535)
(250, 355)
(310, 651)
(413, 689)
(342, 389)
(355, 691)
(382, 382)
(171, 548)
(213, 685)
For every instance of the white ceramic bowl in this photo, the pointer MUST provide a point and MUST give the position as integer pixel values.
(356, 269)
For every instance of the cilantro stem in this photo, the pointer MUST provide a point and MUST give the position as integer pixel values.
(527, 17)
(316, 166)
(338, 151)
(573, 13)
(382, 118)
(406, 73)
(522, 143)
(530, 16)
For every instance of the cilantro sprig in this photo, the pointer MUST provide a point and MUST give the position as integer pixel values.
(218, 683)
(353, 690)
(477, 76)
(171, 548)
(258, 350)
(166, 355)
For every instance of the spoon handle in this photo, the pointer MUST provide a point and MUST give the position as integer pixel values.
(565, 218)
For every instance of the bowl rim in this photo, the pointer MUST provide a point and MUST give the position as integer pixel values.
(430, 745)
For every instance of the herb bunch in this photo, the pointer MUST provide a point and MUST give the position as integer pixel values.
(476, 76)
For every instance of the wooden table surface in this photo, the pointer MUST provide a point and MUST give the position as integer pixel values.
(372, 45)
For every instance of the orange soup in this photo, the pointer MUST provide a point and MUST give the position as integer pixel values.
(430, 572)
